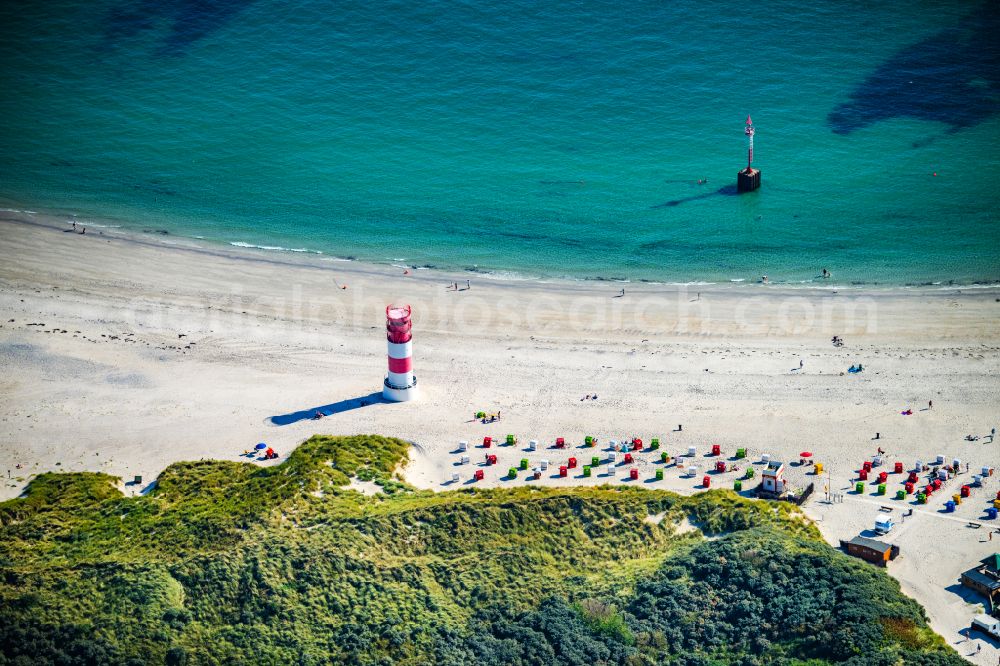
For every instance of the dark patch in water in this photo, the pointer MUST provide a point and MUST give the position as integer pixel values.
(156, 189)
(952, 77)
(569, 242)
(189, 21)
(725, 190)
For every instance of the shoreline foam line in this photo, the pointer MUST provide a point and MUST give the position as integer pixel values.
(250, 252)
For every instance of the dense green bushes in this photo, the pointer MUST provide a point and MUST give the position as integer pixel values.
(233, 563)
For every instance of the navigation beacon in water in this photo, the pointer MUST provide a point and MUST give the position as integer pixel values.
(748, 179)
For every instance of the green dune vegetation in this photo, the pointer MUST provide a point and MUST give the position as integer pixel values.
(229, 563)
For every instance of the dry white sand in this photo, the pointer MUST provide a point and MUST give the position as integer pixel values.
(97, 375)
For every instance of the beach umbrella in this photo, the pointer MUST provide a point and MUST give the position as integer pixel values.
(261, 446)
(805, 454)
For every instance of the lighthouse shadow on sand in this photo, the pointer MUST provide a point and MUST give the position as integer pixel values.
(327, 410)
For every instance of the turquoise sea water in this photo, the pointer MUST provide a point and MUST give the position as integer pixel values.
(559, 139)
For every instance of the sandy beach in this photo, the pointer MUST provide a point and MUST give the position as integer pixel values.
(123, 353)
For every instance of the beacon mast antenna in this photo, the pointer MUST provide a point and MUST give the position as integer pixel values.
(748, 179)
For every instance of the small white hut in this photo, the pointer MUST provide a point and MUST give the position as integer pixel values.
(773, 478)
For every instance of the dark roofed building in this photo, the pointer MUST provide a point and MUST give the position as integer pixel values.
(871, 550)
(985, 579)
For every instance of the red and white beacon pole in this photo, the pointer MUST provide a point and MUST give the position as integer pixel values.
(400, 385)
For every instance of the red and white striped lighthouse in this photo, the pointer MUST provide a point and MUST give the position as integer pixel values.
(400, 385)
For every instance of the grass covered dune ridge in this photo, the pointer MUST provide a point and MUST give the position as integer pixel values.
(228, 563)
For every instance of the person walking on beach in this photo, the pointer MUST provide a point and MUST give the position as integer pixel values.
(623, 291)
(468, 284)
(74, 226)
(930, 404)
